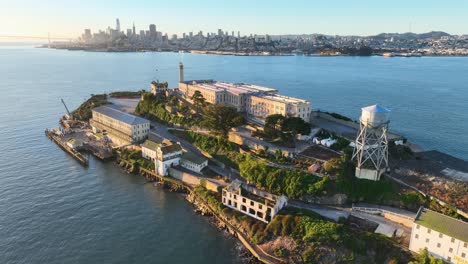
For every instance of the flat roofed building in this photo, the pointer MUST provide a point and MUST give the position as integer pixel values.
(164, 152)
(121, 127)
(263, 105)
(193, 162)
(444, 237)
(255, 100)
(250, 201)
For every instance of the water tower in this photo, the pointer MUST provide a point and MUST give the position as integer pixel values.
(371, 150)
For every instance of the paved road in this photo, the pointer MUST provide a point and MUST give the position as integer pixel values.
(327, 212)
(162, 131)
(385, 226)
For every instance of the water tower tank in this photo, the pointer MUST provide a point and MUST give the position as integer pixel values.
(374, 115)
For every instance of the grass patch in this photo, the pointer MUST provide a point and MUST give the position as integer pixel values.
(84, 111)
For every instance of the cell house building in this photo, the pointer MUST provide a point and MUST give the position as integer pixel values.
(257, 101)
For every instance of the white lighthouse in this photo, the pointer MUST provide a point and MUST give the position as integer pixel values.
(181, 72)
(371, 145)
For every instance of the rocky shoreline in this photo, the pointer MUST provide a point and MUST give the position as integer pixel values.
(202, 209)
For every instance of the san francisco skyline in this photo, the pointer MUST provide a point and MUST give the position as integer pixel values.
(67, 19)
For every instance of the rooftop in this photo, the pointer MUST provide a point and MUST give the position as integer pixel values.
(193, 158)
(234, 88)
(154, 143)
(376, 109)
(282, 98)
(250, 192)
(119, 115)
(443, 224)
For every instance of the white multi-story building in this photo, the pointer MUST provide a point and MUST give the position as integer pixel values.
(250, 201)
(193, 162)
(121, 127)
(165, 153)
(444, 237)
(256, 101)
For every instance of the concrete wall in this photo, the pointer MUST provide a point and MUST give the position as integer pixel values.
(336, 120)
(368, 174)
(185, 177)
(398, 219)
(194, 180)
(209, 185)
(234, 138)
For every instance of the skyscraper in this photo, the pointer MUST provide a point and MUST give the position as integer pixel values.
(152, 31)
(117, 25)
(134, 31)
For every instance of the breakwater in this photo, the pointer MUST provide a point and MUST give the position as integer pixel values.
(74, 153)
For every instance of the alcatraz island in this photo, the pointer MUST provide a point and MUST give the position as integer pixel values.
(292, 184)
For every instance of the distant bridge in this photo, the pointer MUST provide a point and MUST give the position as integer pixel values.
(34, 37)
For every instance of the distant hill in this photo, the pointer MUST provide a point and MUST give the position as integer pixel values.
(411, 36)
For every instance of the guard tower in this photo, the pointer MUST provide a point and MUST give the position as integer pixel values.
(181, 72)
(371, 150)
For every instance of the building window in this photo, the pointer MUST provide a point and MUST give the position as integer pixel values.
(427, 240)
(453, 240)
(251, 203)
(243, 200)
(463, 255)
(417, 226)
(438, 245)
(235, 196)
(428, 231)
(416, 236)
(465, 245)
(449, 259)
(259, 206)
(440, 235)
(450, 250)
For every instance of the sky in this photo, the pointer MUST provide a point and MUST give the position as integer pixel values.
(68, 18)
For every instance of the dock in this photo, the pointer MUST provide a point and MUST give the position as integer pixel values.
(75, 154)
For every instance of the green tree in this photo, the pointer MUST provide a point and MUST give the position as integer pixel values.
(296, 125)
(220, 119)
(173, 101)
(425, 258)
(198, 100)
(273, 125)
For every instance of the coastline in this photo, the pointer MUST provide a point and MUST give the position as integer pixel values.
(245, 249)
(244, 54)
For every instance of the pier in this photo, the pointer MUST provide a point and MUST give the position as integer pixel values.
(75, 154)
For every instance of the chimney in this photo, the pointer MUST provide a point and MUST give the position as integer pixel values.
(181, 72)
